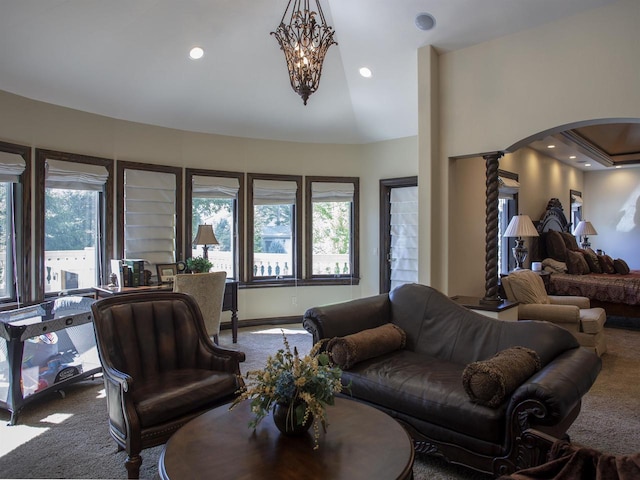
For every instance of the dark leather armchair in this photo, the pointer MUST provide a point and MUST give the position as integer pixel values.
(160, 367)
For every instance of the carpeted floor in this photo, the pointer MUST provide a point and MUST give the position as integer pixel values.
(68, 437)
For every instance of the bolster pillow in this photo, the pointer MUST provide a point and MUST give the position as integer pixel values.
(348, 350)
(489, 382)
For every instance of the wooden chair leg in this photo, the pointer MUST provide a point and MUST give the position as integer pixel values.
(133, 464)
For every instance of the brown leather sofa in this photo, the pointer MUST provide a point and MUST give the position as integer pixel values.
(421, 384)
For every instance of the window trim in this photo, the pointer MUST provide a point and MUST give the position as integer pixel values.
(106, 242)
(354, 277)
(23, 233)
(121, 166)
(297, 231)
(238, 214)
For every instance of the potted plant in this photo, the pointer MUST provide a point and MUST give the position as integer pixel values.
(296, 390)
(198, 264)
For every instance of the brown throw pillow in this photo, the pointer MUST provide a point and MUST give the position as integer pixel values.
(606, 264)
(351, 349)
(592, 260)
(621, 266)
(556, 247)
(569, 241)
(576, 264)
(489, 382)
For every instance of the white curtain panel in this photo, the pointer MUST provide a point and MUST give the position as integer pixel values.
(404, 236)
(11, 167)
(150, 216)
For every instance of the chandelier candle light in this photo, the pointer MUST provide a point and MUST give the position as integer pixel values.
(205, 237)
(304, 37)
(520, 226)
(584, 229)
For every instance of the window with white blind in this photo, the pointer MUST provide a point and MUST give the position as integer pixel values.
(77, 192)
(274, 219)
(331, 227)
(404, 236)
(12, 167)
(216, 200)
(508, 188)
(150, 210)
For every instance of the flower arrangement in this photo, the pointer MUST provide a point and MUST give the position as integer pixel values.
(304, 385)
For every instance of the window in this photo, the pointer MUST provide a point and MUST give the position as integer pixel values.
(217, 199)
(75, 205)
(149, 212)
(14, 224)
(274, 220)
(332, 228)
(576, 208)
(507, 208)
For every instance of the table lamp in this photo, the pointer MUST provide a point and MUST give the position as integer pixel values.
(520, 226)
(584, 229)
(205, 237)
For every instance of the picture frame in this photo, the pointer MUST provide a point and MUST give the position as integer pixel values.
(166, 272)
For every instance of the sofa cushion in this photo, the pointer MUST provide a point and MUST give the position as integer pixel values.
(351, 349)
(606, 263)
(528, 287)
(490, 382)
(621, 266)
(426, 388)
(576, 263)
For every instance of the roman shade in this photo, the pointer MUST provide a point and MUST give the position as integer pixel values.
(75, 175)
(274, 192)
(507, 187)
(150, 215)
(215, 187)
(11, 167)
(332, 191)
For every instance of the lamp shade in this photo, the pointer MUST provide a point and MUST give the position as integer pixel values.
(205, 236)
(520, 226)
(584, 228)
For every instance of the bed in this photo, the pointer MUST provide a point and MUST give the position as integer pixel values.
(618, 294)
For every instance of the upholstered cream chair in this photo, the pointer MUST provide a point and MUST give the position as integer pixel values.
(570, 312)
(208, 291)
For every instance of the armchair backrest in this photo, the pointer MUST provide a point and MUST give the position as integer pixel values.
(525, 286)
(208, 290)
(146, 334)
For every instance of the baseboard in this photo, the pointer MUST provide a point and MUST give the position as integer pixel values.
(255, 322)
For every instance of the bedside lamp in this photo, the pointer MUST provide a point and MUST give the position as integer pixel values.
(204, 237)
(520, 226)
(584, 229)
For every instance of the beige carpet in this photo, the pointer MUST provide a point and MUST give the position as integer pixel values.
(68, 437)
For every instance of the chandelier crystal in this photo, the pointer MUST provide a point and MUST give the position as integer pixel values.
(304, 38)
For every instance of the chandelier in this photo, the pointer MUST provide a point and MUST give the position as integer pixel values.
(304, 42)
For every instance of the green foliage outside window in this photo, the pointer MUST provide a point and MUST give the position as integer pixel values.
(70, 219)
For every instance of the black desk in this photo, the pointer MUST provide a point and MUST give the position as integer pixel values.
(229, 302)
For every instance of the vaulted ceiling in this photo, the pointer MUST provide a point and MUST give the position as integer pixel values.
(129, 60)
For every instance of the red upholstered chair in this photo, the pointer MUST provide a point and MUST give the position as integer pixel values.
(160, 367)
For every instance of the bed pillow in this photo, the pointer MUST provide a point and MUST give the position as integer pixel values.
(576, 263)
(490, 382)
(552, 265)
(621, 266)
(348, 350)
(606, 264)
(569, 241)
(556, 247)
(592, 260)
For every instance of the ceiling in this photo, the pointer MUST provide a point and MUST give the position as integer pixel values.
(129, 60)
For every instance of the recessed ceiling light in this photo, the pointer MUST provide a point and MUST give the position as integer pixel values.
(196, 53)
(551, 146)
(365, 72)
(618, 166)
(572, 157)
(425, 21)
(587, 164)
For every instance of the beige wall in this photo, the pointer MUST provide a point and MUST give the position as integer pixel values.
(494, 95)
(41, 125)
(612, 205)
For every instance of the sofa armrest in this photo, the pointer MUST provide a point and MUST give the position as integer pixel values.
(549, 313)
(345, 318)
(559, 386)
(580, 302)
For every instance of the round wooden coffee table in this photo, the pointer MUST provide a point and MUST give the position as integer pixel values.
(361, 443)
